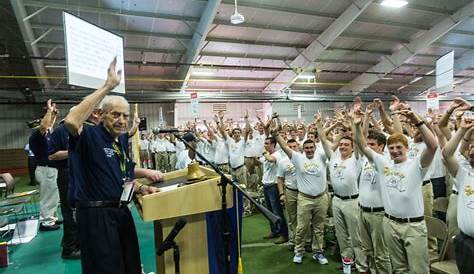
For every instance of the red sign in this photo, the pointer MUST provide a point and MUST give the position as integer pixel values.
(432, 95)
(194, 95)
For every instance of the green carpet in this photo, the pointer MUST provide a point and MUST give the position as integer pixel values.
(42, 255)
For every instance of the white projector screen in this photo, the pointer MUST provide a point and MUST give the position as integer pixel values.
(89, 51)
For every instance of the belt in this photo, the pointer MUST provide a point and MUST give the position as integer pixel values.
(426, 182)
(310, 196)
(296, 190)
(455, 192)
(224, 164)
(234, 169)
(371, 209)
(350, 197)
(172, 152)
(464, 234)
(90, 204)
(405, 220)
(249, 157)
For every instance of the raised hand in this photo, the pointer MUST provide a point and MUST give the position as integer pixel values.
(460, 104)
(378, 103)
(467, 122)
(113, 78)
(369, 109)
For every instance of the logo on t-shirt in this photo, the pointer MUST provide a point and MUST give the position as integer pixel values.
(109, 152)
(339, 171)
(394, 179)
(311, 168)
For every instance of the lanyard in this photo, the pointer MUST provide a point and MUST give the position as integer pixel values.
(123, 160)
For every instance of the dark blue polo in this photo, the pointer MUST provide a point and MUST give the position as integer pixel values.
(95, 165)
(39, 146)
(59, 140)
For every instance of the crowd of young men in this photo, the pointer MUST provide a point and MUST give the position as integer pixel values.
(378, 178)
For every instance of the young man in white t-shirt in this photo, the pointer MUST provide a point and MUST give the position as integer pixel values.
(313, 201)
(270, 190)
(344, 170)
(401, 182)
(464, 180)
(287, 185)
(371, 209)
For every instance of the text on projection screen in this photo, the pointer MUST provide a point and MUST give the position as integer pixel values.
(89, 51)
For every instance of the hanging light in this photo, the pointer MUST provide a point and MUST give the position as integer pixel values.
(236, 18)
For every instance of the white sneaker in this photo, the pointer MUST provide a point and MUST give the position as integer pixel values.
(319, 257)
(298, 258)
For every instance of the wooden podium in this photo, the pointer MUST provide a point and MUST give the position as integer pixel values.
(190, 202)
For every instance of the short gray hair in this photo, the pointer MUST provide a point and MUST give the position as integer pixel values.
(109, 99)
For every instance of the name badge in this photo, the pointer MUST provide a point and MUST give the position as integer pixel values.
(127, 192)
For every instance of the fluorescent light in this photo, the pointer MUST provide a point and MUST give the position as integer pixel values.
(306, 76)
(54, 66)
(202, 73)
(402, 87)
(430, 72)
(387, 78)
(416, 80)
(394, 3)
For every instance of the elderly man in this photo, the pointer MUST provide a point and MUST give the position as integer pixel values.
(104, 188)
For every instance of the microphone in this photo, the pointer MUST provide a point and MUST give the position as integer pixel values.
(170, 130)
(169, 241)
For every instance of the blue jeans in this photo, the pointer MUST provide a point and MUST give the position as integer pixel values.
(272, 201)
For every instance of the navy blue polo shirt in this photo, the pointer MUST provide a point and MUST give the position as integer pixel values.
(39, 146)
(96, 166)
(59, 140)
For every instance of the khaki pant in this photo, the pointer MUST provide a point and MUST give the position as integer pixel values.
(346, 215)
(310, 213)
(373, 244)
(452, 216)
(428, 205)
(172, 161)
(408, 246)
(144, 158)
(240, 175)
(250, 163)
(161, 161)
(49, 194)
(291, 204)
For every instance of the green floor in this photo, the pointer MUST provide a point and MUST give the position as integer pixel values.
(42, 255)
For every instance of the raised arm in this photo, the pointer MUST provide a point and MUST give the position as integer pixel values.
(78, 115)
(247, 128)
(322, 136)
(220, 124)
(386, 121)
(48, 119)
(427, 136)
(452, 145)
(275, 127)
(133, 130)
(361, 142)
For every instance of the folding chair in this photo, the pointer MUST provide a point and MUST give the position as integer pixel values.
(440, 204)
(448, 263)
(439, 230)
(13, 198)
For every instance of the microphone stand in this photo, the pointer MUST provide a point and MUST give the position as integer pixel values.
(275, 220)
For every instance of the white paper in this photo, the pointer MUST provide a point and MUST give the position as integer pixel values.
(89, 51)
(25, 232)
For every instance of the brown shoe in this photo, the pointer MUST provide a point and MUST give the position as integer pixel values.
(281, 240)
(271, 236)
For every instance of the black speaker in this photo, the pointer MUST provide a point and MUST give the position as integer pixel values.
(142, 126)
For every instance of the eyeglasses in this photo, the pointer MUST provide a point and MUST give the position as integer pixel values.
(115, 115)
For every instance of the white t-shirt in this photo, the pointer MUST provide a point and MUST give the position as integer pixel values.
(206, 149)
(249, 148)
(287, 171)
(369, 184)
(258, 143)
(170, 147)
(465, 184)
(222, 152)
(144, 144)
(344, 174)
(436, 168)
(310, 173)
(269, 169)
(236, 152)
(401, 186)
(159, 145)
(183, 159)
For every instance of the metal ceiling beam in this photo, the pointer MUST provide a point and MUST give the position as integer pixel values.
(305, 60)
(29, 38)
(332, 16)
(134, 49)
(390, 63)
(448, 45)
(198, 40)
(122, 32)
(75, 7)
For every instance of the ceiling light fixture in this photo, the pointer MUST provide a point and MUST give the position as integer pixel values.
(394, 3)
(202, 73)
(236, 18)
(306, 76)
